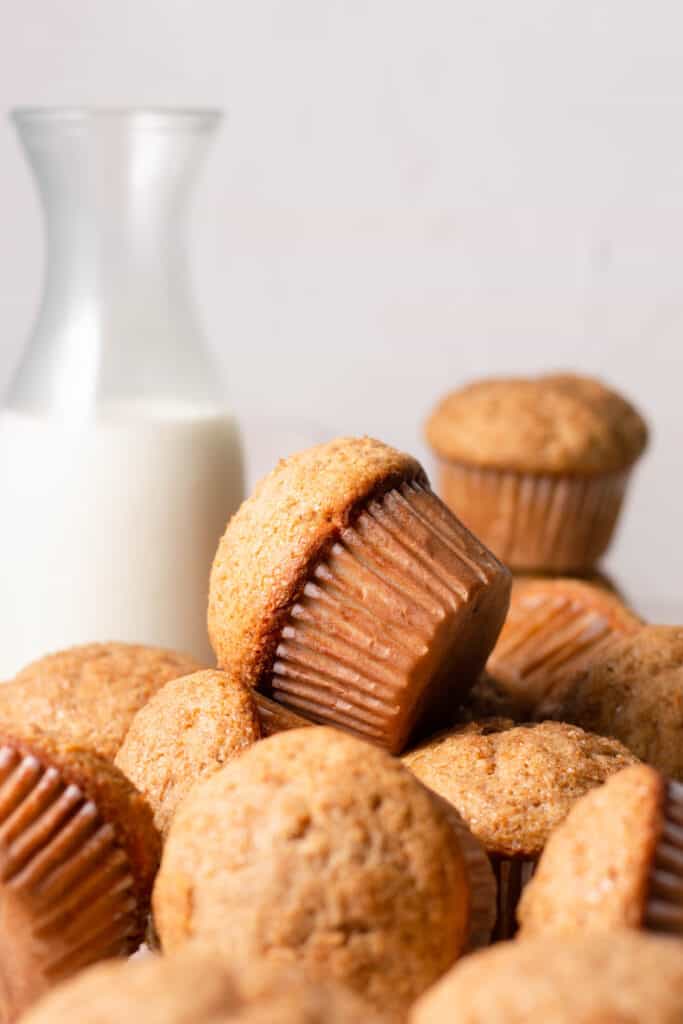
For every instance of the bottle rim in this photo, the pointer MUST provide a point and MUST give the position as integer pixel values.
(199, 117)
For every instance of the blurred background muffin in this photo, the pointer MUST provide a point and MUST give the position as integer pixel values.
(537, 467)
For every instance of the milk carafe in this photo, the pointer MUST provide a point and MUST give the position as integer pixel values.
(119, 462)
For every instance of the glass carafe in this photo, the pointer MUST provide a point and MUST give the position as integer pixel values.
(119, 462)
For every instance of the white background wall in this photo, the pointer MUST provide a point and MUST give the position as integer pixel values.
(405, 195)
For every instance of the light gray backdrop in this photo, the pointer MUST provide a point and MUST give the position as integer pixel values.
(404, 195)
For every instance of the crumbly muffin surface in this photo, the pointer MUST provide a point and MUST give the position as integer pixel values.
(635, 694)
(90, 694)
(188, 729)
(514, 784)
(278, 533)
(318, 848)
(594, 872)
(556, 424)
(617, 978)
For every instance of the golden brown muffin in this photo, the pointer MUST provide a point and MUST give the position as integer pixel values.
(317, 848)
(537, 467)
(635, 693)
(188, 730)
(196, 986)
(620, 978)
(554, 629)
(615, 862)
(78, 854)
(512, 785)
(346, 590)
(90, 694)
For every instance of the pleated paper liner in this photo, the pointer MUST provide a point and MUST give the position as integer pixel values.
(66, 888)
(394, 624)
(664, 908)
(554, 629)
(511, 877)
(536, 522)
(276, 717)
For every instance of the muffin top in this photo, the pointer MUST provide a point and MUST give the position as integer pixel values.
(555, 424)
(278, 534)
(196, 986)
(619, 978)
(634, 693)
(188, 729)
(555, 628)
(90, 694)
(594, 873)
(514, 784)
(316, 847)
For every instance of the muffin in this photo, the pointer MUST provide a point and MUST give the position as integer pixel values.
(620, 978)
(90, 694)
(615, 862)
(512, 785)
(635, 693)
(554, 628)
(197, 986)
(316, 848)
(537, 467)
(344, 589)
(191, 727)
(78, 852)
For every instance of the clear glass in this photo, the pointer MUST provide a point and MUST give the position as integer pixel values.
(119, 463)
(117, 319)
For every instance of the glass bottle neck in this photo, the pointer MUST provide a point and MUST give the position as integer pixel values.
(117, 319)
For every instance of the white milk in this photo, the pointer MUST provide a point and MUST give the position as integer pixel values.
(108, 529)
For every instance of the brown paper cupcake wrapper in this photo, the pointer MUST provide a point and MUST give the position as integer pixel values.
(550, 635)
(275, 717)
(511, 877)
(66, 889)
(552, 523)
(394, 623)
(664, 908)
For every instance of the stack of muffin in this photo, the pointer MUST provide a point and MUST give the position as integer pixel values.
(402, 755)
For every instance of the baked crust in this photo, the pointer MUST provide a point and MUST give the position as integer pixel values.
(555, 424)
(512, 785)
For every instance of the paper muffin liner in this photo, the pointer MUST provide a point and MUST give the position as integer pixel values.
(66, 887)
(275, 717)
(549, 636)
(664, 906)
(511, 876)
(394, 623)
(536, 522)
